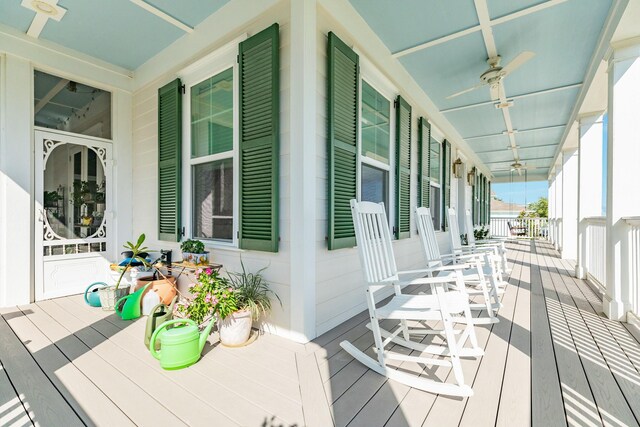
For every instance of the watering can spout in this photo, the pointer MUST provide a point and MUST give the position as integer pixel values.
(205, 334)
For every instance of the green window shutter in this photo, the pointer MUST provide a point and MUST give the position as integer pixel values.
(259, 140)
(169, 160)
(424, 162)
(403, 169)
(489, 203)
(473, 197)
(342, 140)
(446, 184)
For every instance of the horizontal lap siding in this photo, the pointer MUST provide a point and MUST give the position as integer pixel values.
(145, 178)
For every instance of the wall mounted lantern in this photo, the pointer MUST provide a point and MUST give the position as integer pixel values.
(457, 168)
(471, 176)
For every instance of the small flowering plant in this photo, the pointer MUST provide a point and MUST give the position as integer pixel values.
(212, 294)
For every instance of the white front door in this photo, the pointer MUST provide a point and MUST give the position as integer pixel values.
(72, 202)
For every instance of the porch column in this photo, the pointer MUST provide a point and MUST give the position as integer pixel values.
(552, 208)
(623, 153)
(302, 173)
(569, 204)
(558, 189)
(589, 182)
(16, 182)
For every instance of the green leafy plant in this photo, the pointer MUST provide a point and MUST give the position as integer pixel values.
(82, 190)
(212, 294)
(51, 197)
(137, 249)
(192, 246)
(481, 233)
(252, 292)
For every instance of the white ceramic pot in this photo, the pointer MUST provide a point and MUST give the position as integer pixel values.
(235, 329)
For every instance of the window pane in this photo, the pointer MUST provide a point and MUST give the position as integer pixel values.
(213, 200)
(212, 115)
(435, 161)
(434, 203)
(375, 124)
(71, 106)
(374, 186)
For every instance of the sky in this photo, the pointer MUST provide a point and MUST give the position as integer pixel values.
(519, 192)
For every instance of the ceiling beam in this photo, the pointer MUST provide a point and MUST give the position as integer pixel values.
(470, 30)
(512, 98)
(53, 92)
(517, 131)
(45, 10)
(519, 148)
(162, 15)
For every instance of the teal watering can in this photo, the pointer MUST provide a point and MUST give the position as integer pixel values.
(159, 314)
(128, 307)
(181, 345)
(91, 295)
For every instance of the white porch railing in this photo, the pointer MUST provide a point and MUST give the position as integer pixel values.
(595, 256)
(634, 262)
(532, 228)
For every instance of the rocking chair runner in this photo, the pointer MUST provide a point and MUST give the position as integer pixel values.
(448, 306)
(482, 276)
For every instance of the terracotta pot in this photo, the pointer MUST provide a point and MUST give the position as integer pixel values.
(235, 329)
(165, 288)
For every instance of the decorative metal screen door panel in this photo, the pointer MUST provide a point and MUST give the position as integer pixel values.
(73, 196)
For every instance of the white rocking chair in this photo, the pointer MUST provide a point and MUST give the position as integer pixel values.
(489, 243)
(476, 277)
(449, 307)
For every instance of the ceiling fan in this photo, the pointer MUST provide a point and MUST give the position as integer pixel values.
(518, 167)
(494, 75)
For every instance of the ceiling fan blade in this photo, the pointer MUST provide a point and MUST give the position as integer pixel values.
(462, 92)
(517, 62)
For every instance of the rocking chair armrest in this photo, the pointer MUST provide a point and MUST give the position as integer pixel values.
(451, 267)
(468, 255)
(449, 278)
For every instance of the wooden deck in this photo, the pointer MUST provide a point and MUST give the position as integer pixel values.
(553, 360)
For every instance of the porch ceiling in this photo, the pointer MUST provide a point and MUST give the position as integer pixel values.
(122, 32)
(445, 46)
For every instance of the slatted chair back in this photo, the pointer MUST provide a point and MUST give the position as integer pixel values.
(374, 242)
(428, 236)
(468, 223)
(454, 231)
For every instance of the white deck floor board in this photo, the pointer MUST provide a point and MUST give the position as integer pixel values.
(552, 360)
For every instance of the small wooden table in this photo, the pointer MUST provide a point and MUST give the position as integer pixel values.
(183, 267)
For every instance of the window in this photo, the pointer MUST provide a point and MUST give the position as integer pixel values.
(212, 154)
(436, 189)
(375, 143)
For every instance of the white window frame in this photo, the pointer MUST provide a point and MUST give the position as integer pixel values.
(207, 67)
(437, 135)
(375, 79)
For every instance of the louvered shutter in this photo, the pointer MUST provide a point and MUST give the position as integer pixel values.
(481, 200)
(342, 140)
(259, 140)
(169, 160)
(446, 171)
(403, 169)
(424, 162)
(489, 203)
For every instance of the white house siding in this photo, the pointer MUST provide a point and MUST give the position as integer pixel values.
(339, 284)
(145, 195)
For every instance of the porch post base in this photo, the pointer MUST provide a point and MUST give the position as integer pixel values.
(581, 272)
(613, 309)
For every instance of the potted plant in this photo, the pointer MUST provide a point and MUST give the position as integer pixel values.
(111, 294)
(481, 233)
(210, 295)
(193, 252)
(252, 299)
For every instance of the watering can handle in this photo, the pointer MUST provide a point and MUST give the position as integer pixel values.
(86, 292)
(152, 342)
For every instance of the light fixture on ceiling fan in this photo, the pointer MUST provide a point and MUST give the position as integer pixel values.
(495, 74)
(517, 166)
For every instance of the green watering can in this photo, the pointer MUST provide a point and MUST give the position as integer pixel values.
(91, 295)
(128, 307)
(159, 314)
(181, 346)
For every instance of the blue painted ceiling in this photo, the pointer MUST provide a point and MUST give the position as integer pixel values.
(116, 31)
(563, 38)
